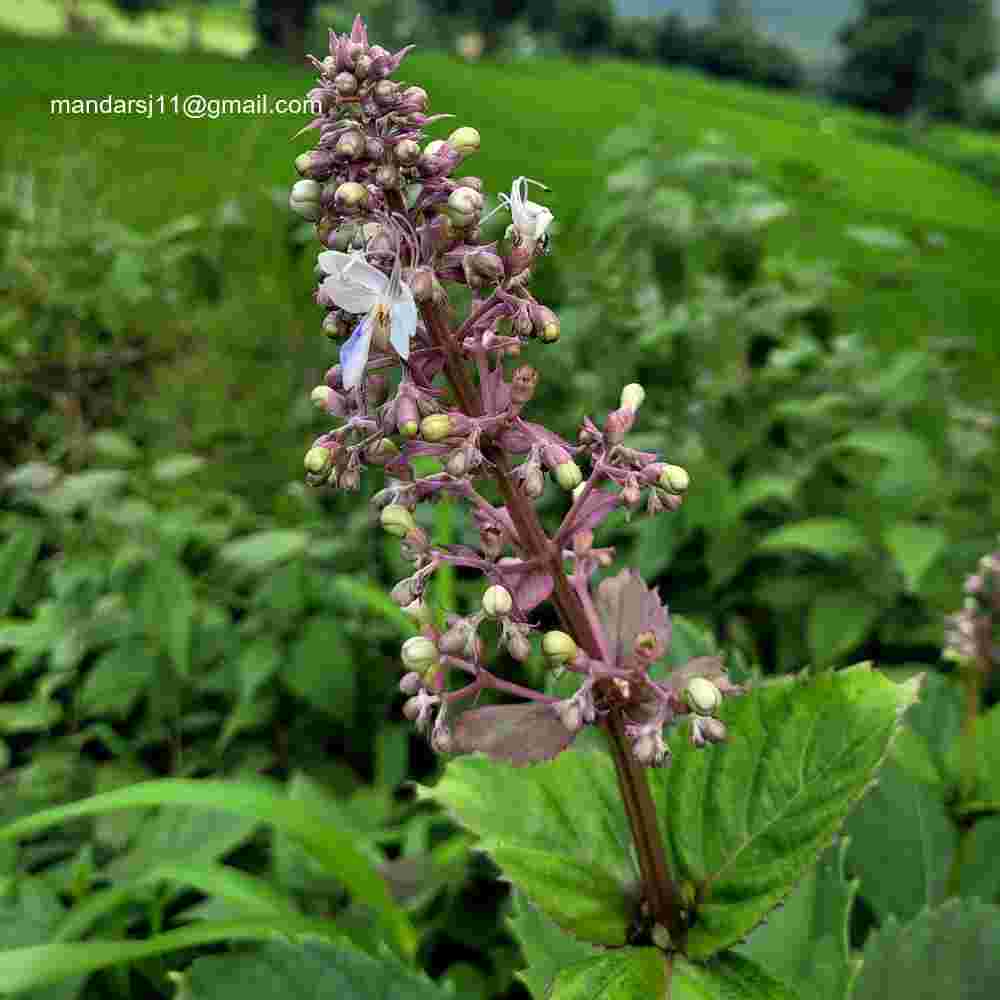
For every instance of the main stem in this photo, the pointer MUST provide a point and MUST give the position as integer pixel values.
(661, 893)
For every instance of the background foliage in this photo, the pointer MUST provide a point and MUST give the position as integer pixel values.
(801, 290)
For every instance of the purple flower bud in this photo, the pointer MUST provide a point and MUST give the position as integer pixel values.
(387, 177)
(480, 266)
(411, 683)
(350, 146)
(407, 152)
(346, 84)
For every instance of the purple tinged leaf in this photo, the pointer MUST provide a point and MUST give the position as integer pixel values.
(529, 587)
(518, 734)
(598, 505)
(626, 607)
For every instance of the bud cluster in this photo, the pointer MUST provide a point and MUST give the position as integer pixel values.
(397, 228)
(973, 634)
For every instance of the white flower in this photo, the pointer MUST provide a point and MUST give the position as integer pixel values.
(530, 219)
(357, 287)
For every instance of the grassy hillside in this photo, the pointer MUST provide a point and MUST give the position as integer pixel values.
(545, 119)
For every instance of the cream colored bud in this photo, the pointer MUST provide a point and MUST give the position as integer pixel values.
(702, 696)
(519, 646)
(674, 479)
(304, 199)
(350, 197)
(419, 653)
(465, 200)
(303, 162)
(632, 396)
(318, 460)
(407, 152)
(570, 714)
(435, 147)
(497, 602)
(321, 397)
(397, 520)
(559, 648)
(436, 427)
(465, 139)
(411, 683)
(345, 83)
(568, 475)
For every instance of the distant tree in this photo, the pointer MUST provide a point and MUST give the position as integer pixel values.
(674, 40)
(582, 26)
(636, 38)
(909, 56)
(491, 17)
(282, 25)
(732, 13)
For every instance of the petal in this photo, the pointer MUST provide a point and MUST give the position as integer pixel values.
(360, 272)
(404, 322)
(354, 353)
(333, 261)
(347, 294)
(540, 219)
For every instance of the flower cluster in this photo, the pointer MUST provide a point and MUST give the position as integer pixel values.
(974, 632)
(398, 228)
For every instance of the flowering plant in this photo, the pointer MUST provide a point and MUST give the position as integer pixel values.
(415, 383)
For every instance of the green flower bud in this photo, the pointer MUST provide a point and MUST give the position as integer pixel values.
(318, 461)
(465, 139)
(321, 397)
(436, 427)
(702, 696)
(303, 162)
(497, 602)
(568, 475)
(674, 479)
(397, 520)
(419, 653)
(559, 648)
(632, 396)
(304, 199)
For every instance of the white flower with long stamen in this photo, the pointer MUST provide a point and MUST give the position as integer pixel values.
(531, 220)
(387, 303)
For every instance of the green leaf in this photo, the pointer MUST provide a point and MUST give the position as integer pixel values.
(545, 947)
(937, 717)
(115, 446)
(657, 539)
(264, 549)
(910, 471)
(17, 558)
(333, 848)
(902, 842)
(950, 951)
(726, 977)
(27, 968)
(117, 679)
(321, 669)
(85, 489)
(167, 608)
(624, 974)
(368, 596)
(832, 537)
(588, 902)
(805, 941)
(564, 812)
(29, 716)
(746, 819)
(761, 489)
(838, 621)
(980, 873)
(310, 968)
(985, 783)
(175, 467)
(28, 916)
(915, 546)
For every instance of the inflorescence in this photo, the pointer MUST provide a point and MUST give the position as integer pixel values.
(397, 228)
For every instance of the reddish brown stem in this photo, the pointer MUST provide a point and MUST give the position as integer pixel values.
(661, 893)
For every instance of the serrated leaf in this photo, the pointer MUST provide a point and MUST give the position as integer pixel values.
(567, 811)
(838, 621)
(306, 969)
(758, 490)
(902, 842)
(985, 755)
(176, 467)
(832, 537)
(910, 467)
(264, 549)
(746, 819)
(17, 558)
(624, 974)
(805, 942)
(915, 547)
(937, 717)
(950, 951)
(728, 976)
(545, 947)
(519, 734)
(320, 669)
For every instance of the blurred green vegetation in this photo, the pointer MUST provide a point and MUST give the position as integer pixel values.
(175, 603)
